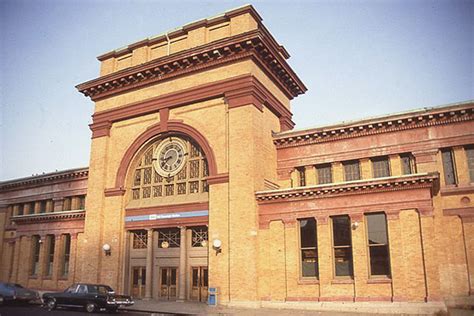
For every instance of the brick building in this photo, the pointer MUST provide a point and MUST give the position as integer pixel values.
(197, 179)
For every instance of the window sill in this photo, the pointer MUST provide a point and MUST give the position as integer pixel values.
(457, 189)
(342, 281)
(380, 280)
(34, 277)
(63, 278)
(308, 281)
(47, 278)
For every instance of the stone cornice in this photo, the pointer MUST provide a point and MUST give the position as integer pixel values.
(256, 45)
(420, 180)
(238, 91)
(49, 217)
(46, 179)
(392, 123)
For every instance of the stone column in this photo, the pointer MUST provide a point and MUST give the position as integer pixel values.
(359, 256)
(395, 244)
(337, 172)
(310, 175)
(73, 257)
(468, 231)
(42, 257)
(325, 257)
(182, 265)
(395, 165)
(428, 239)
(149, 264)
(58, 242)
(16, 258)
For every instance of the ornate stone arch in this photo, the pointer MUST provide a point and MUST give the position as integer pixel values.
(172, 126)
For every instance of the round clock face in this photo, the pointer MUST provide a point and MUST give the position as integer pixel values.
(170, 156)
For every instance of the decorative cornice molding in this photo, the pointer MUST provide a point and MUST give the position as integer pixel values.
(458, 189)
(81, 173)
(461, 211)
(114, 192)
(218, 178)
(393, 123)
(49, 217)
(254, 44)
(423, 180)
(238, 91)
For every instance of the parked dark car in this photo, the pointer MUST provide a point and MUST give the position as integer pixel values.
(16, 293)
(91, 297)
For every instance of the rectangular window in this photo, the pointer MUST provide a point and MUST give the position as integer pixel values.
(32, 208)
(169, 238)
(381, 167)
(308, 247)
(66, 255)
(35, 251)
(67, 204)
(351, 170)
(140, 239)
(408, 164)
(377, 240)
(470, 161)
(21, 209)
(43, 206)
(82, 202)
(324, 173)
(342, 244)
(301, 176)
(199, 236)
(449, 166)
(50, 242)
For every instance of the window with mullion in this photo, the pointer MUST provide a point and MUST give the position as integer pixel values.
(351, 170)
(308, 248)
(301, 176)
(342, 245)
(470, 161)
(408, 164)
(324, 173)
(377, 241)
(449, 168)
(66, 252)
(51, 241)
(381, 167)
(35, 251)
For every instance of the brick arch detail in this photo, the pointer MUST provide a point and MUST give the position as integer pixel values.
(172, 126)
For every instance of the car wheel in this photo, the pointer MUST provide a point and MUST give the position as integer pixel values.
(50, 304)
(90, 307)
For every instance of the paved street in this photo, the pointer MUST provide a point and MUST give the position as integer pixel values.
(37, 310)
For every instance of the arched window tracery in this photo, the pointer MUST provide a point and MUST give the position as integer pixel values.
(147, 185)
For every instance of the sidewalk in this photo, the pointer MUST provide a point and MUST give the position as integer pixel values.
(298, 308)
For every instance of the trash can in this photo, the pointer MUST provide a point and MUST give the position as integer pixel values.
(212, 297)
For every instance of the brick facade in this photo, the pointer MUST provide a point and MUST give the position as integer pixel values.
(224, 85)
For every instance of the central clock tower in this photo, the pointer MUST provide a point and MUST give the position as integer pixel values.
(221, 83)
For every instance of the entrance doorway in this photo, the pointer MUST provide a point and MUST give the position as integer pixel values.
(168, 281)
(138, 281)
(199, 278)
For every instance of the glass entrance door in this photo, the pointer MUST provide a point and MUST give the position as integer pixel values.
(168, 281)
(199, 278)
(138, 281)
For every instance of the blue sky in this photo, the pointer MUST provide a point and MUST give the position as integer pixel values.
(357, 58)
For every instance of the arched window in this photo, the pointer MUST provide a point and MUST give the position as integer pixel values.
(186, 179)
